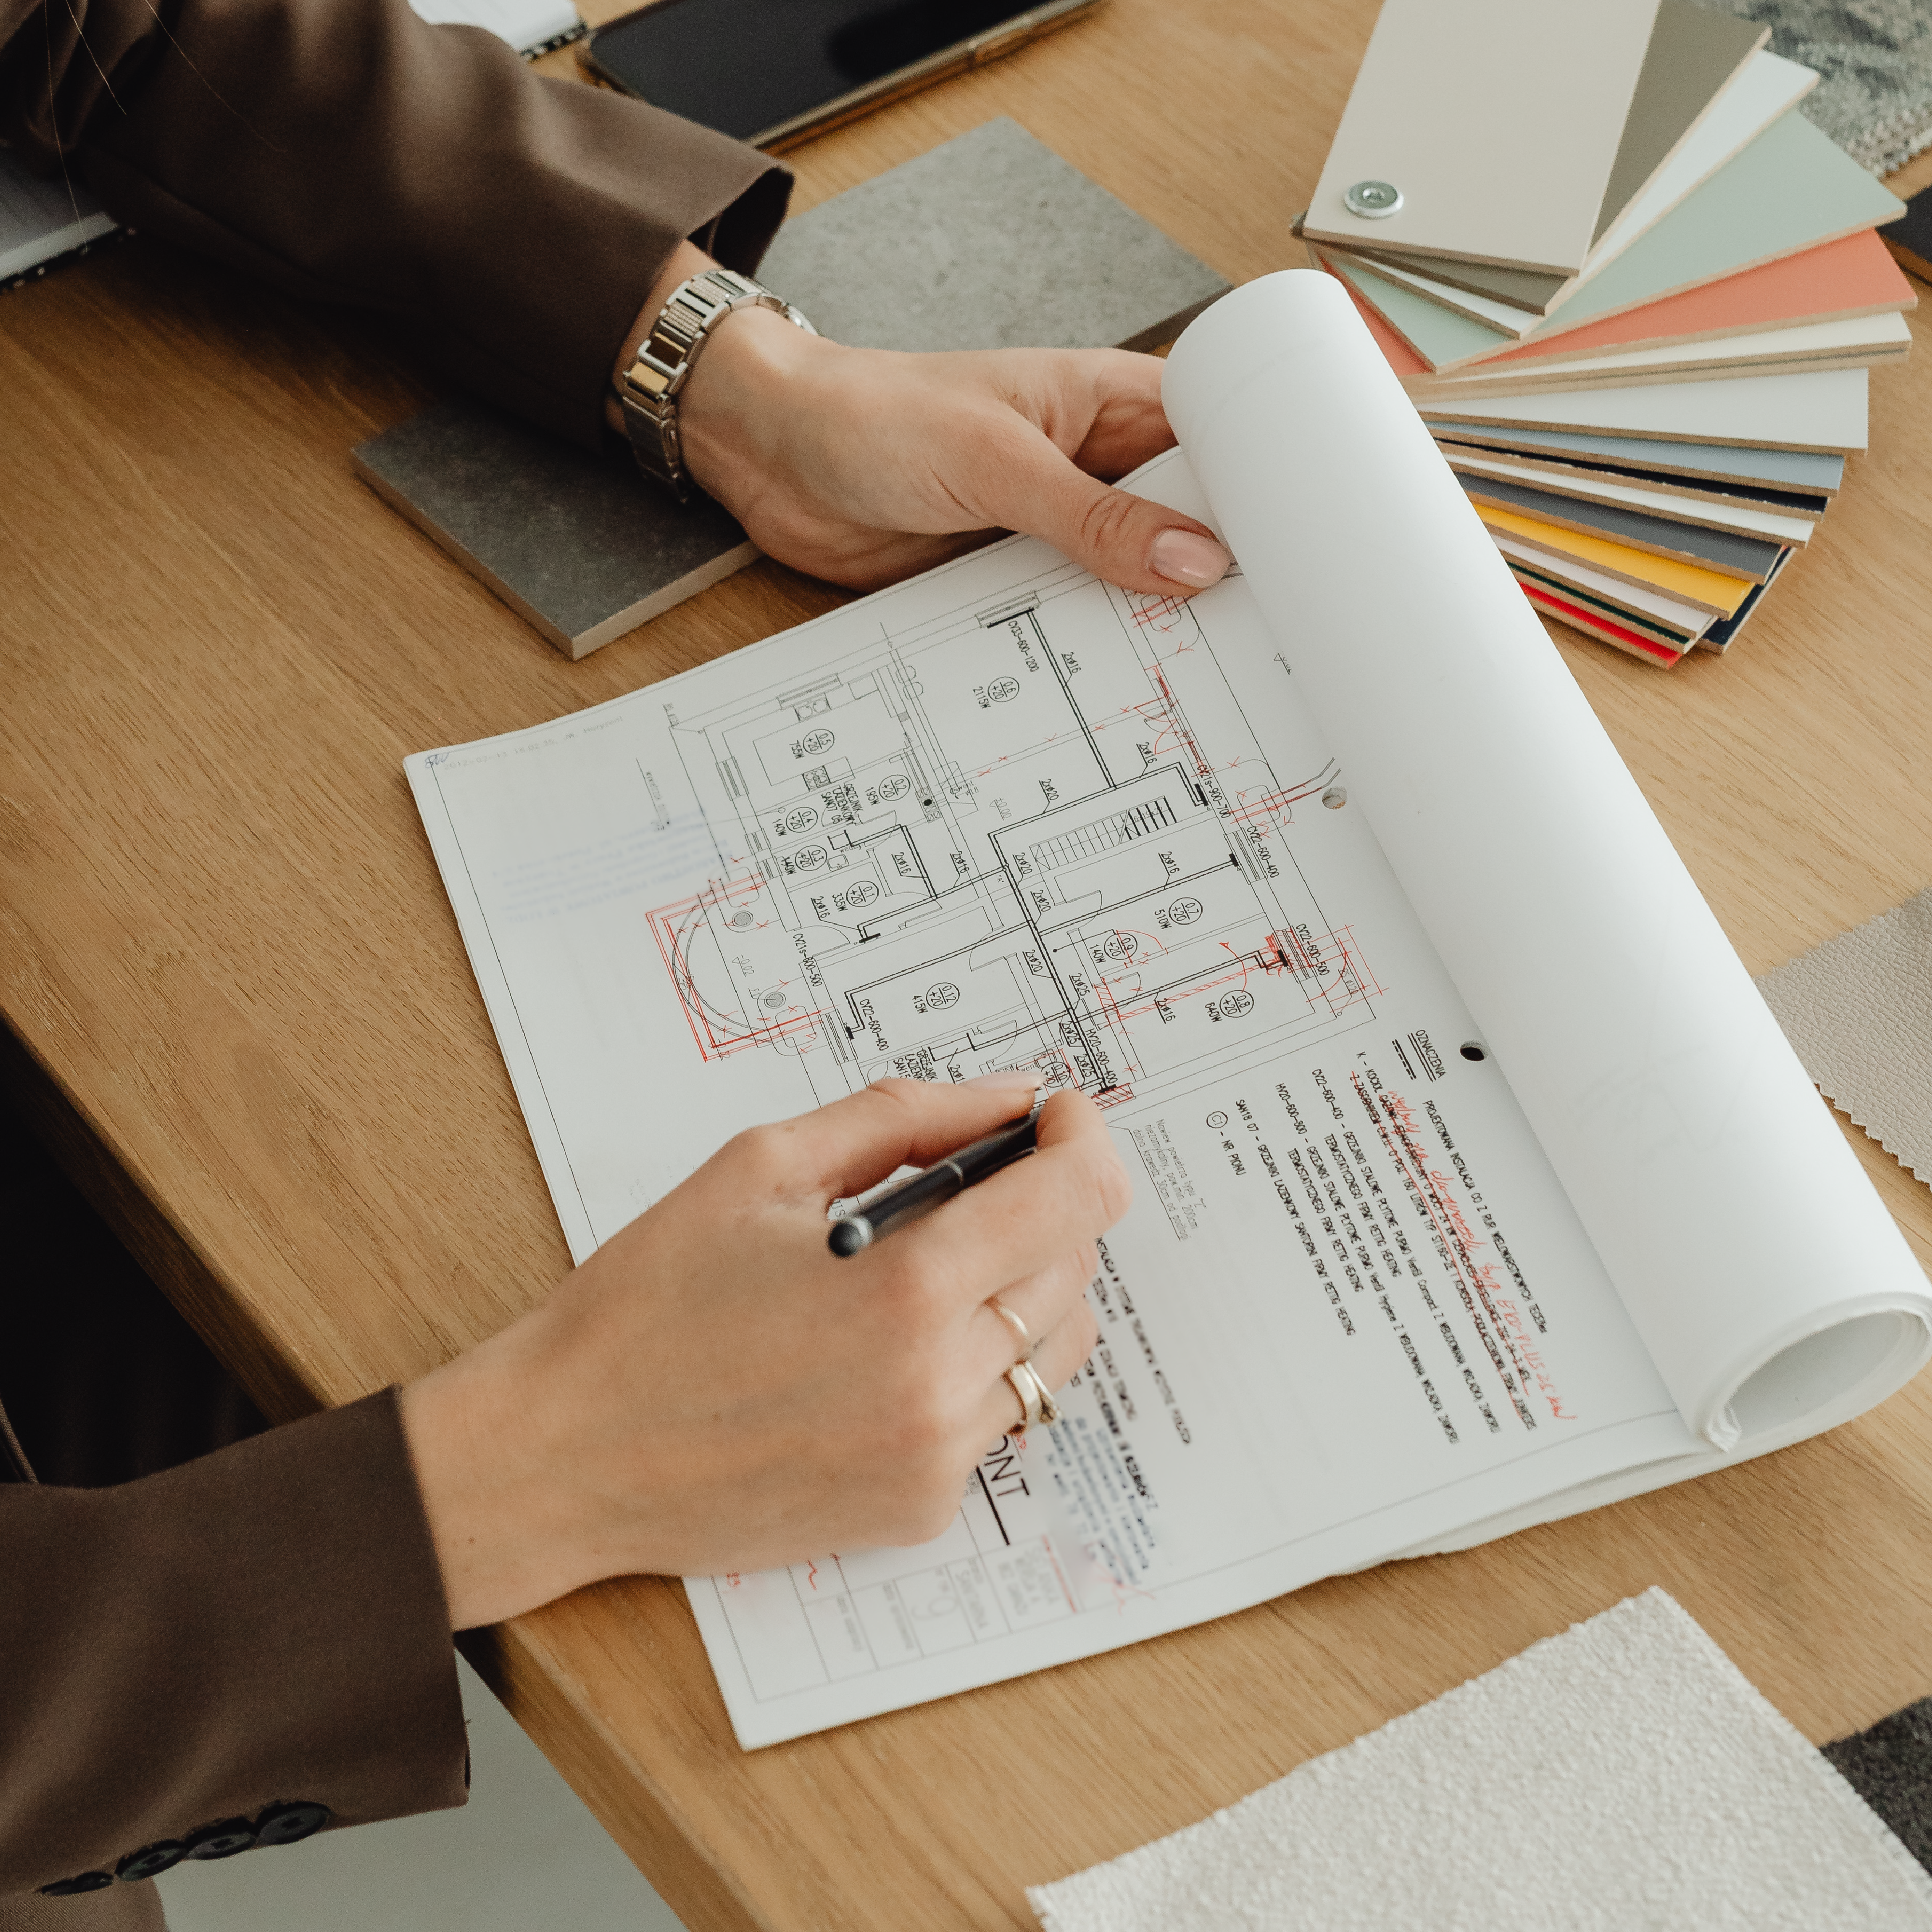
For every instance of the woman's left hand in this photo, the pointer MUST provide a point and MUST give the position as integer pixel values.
(862, 465)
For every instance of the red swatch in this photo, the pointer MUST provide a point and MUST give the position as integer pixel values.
(1631, 640)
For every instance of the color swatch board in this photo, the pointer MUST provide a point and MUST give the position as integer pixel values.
(1745, 519)
(1710, 590)
(1770, 469)
(1792, 188)
(1855, 275)
(1694, 55)
(1858, 341)
(1726, 551)
(1768, 87)
(1822, 409)
(1451, 100)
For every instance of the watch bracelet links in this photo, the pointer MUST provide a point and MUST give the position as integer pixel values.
(648, 389)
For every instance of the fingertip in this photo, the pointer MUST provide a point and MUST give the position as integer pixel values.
(1020, 1082)
(1065, 1114)
(1188, 558)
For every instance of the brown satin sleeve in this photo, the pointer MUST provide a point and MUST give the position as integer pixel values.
(345, 151)
(266, 1625)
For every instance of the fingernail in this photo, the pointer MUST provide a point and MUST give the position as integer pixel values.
(1182, 556)
(1012, 1081)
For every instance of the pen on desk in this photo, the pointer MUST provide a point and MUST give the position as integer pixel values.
(919, 1193)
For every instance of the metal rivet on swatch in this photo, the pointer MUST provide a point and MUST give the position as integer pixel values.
(1373, 200)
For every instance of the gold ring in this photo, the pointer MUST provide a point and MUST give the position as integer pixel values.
(1036, 1402)
(1021, 1333)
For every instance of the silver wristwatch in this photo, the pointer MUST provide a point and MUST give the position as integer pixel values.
(648, 389)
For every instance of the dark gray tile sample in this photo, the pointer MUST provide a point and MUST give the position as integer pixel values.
(578, 544)
(990, 241)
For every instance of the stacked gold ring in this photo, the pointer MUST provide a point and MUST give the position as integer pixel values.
(1022, 1333)
(1036, 1403)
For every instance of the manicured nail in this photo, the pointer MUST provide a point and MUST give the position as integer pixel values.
(1013, 1080)
(1183, 557)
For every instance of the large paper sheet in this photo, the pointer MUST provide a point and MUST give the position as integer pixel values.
(1335, 913)
(1774, 1292)
(1003, 816)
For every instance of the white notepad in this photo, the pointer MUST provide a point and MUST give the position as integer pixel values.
(42, 221)
(530, 26)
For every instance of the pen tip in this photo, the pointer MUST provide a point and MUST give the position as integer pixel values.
(848, 1236)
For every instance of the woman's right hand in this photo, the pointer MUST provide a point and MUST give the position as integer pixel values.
(714, 1391)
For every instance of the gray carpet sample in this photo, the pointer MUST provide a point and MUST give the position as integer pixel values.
(1890, 1767)
(1875, 58)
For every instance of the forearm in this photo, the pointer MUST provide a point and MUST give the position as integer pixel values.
(346, 150)
(685, 261)
(506, 1514)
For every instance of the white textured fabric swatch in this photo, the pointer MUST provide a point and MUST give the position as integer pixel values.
(1624, 1775)
(1858, 1011)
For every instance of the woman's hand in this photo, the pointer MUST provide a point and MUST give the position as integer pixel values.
(713, 1390)
(862, 466)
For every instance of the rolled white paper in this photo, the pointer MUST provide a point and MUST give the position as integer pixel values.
(1770, 1285)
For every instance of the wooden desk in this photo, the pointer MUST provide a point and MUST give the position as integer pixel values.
(244, 1005)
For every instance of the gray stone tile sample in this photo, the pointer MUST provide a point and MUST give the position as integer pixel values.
(577, 545)
(990, 241)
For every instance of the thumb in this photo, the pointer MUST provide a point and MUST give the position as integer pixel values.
(854, 1143)
(1138, 544)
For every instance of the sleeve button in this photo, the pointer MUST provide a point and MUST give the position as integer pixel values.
(66, 1888)
(289, 1824)
(151, 1860)
(222, 1840)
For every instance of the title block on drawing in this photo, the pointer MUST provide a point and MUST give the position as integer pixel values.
(990, 241)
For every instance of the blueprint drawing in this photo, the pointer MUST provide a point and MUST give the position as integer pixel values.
(1040, 834)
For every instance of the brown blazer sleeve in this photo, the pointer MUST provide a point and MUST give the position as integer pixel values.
(257, 1641)
(345, 151)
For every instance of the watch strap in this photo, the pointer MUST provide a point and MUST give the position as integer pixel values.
(648, 389)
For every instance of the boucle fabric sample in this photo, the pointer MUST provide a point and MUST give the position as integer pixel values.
(1857, 1010)
(1624, 1774)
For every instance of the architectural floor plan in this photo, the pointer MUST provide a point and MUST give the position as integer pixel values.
(1472, 1184)
(1039, 834)
(1006, 816)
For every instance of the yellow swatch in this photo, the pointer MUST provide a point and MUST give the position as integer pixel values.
(1710, 590)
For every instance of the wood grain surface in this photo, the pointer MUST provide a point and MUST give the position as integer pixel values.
(239, 1000)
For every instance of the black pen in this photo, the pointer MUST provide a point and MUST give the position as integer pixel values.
(919, 1193)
